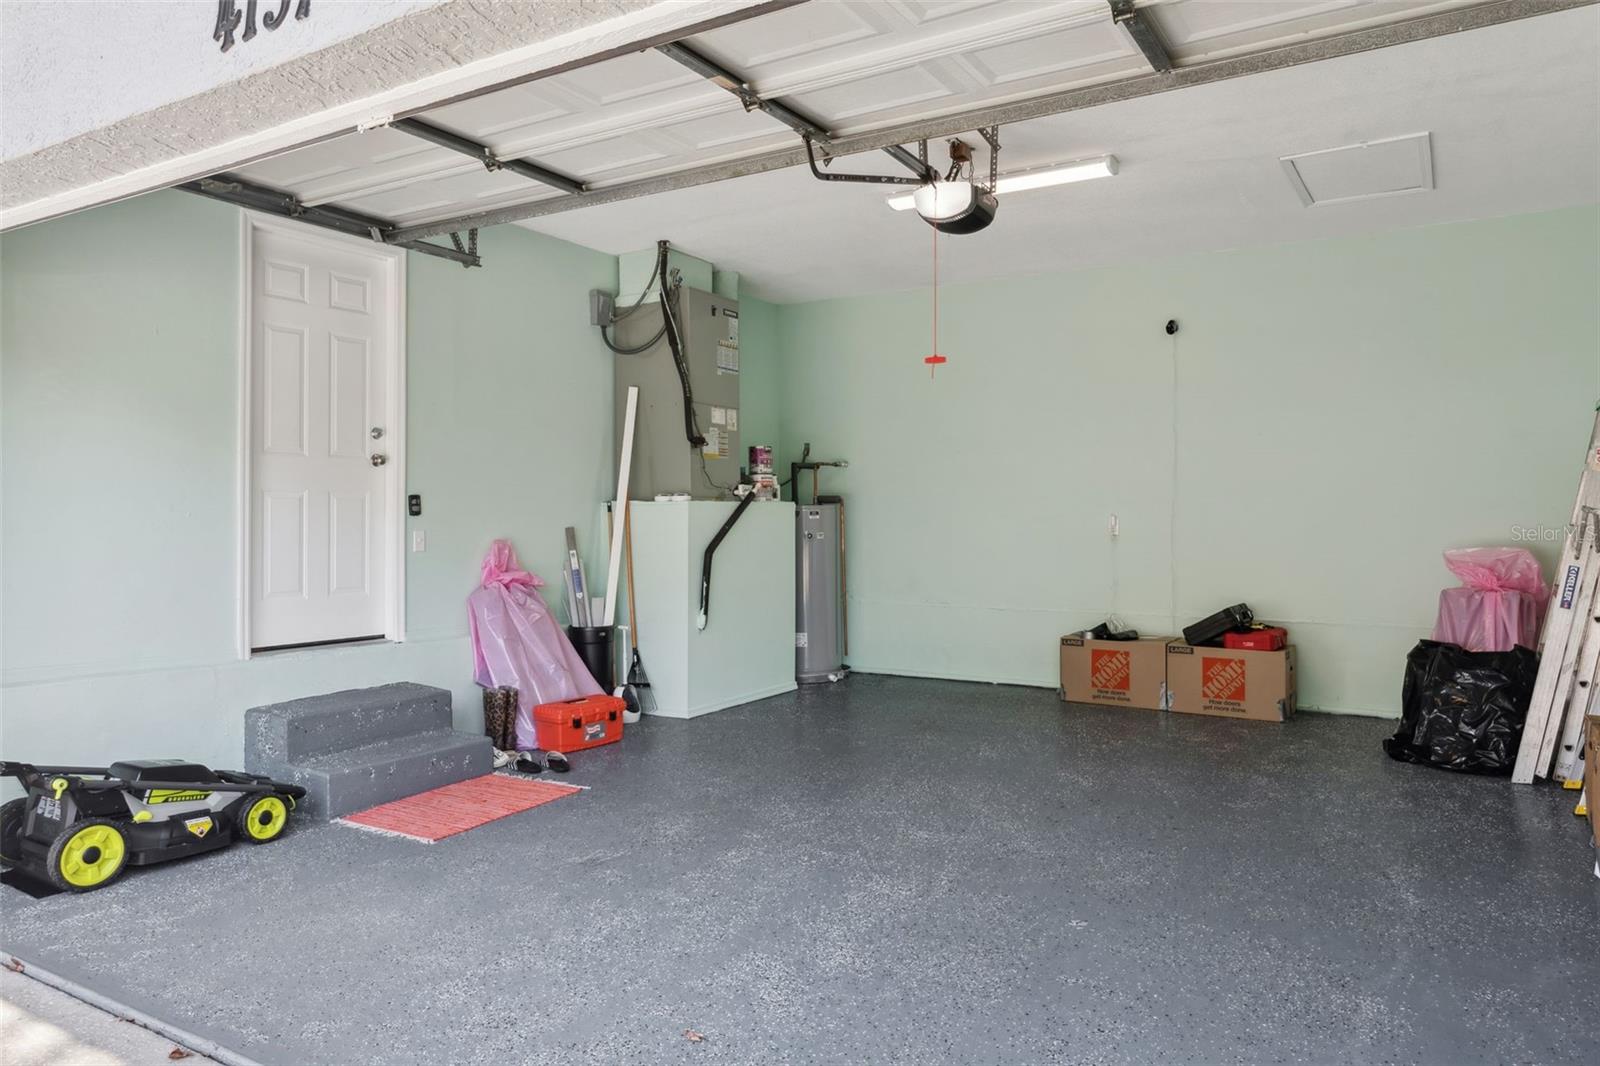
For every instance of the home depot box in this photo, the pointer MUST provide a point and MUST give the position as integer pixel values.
(1118, 673)
(1231, 682)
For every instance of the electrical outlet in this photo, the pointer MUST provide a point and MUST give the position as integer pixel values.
(419, 541)
(1113, 527)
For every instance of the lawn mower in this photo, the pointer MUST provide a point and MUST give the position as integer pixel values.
(79, 827)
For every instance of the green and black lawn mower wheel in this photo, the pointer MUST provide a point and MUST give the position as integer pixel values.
(87, 855)
(12, 815)
(262, 817)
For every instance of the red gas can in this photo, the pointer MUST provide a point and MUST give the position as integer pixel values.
(1260, 638)
(585, 722)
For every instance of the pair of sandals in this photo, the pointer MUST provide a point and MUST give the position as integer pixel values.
(529, 762)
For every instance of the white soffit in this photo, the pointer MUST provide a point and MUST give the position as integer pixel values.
(1387, 167)
(64, 72)
(852, 65)
(407, 65)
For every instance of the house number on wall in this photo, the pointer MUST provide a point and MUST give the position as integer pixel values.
(229, 18)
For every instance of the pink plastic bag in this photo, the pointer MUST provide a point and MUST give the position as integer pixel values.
(1498, 570)
(1500, 604)
(516, 641)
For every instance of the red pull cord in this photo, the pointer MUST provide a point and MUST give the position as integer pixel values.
(935, 359)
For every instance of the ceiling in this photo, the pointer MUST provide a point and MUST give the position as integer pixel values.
(1513, 112)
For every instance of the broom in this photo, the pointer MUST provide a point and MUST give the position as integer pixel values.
(636, 690)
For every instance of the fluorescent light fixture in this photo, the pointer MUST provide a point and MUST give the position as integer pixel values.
(1037, 178)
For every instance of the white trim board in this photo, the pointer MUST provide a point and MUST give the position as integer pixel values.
(394, 484)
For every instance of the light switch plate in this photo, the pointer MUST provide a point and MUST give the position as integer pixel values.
(419, 540)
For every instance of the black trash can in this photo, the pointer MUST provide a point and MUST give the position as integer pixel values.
(594, 645)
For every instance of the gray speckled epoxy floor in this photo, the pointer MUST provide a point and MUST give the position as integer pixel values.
(895, 870)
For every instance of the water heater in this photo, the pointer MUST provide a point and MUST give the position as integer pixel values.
(819, 601)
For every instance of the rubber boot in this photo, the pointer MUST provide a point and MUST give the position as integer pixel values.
(508, 735)
(494, 716)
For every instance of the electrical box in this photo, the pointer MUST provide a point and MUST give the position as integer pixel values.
(663, 459)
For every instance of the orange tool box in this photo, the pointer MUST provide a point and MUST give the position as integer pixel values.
(1257, 638)
(585, 722)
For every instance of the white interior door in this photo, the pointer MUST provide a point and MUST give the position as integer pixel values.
(320, 345)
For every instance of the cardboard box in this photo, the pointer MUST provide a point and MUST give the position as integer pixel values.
(1115, 673)
(1231, 682)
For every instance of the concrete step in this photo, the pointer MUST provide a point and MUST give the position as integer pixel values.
(356, 749)
(342, 782)
(291, 732)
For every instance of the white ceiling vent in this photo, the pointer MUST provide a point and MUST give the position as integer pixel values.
(1362, 171)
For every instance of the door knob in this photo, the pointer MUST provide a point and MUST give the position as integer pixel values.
(378, 458)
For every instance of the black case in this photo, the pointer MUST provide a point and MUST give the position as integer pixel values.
(1210, 630)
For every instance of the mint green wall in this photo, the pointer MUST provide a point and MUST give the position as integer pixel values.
(118, 377)
(1342, 412)
(760, 384)
(978, 500)
(509, 407)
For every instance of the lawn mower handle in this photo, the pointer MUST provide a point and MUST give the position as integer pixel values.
(22, 771)
(197, 786)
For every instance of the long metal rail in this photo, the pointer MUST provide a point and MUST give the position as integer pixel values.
(1352, 42)
(241, 193)
(808, 129)
(236, 191)
(437, 135)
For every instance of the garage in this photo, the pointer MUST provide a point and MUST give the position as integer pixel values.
(800, 531)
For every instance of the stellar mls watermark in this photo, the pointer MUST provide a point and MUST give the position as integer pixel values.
(1538, 534)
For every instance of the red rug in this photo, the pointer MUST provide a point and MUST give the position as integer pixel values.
(444, 812)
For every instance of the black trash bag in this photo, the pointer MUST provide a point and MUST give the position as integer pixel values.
(1463, 710)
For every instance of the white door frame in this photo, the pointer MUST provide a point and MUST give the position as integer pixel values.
(393, 261)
